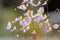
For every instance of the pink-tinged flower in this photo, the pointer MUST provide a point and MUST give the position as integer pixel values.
(46, 26)
(55, 26)
(48, 30)
(23, 30)
(40, 25)
(34, 32)
(23, 23)
(41, 10)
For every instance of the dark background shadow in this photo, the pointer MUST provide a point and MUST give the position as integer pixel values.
(53, 4)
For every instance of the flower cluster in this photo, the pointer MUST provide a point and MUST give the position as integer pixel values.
(30, 18)
(24, 6)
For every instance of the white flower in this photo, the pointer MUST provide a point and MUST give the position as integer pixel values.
(17, 35)
(8, 26)
(23, 7)
(41, 10)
